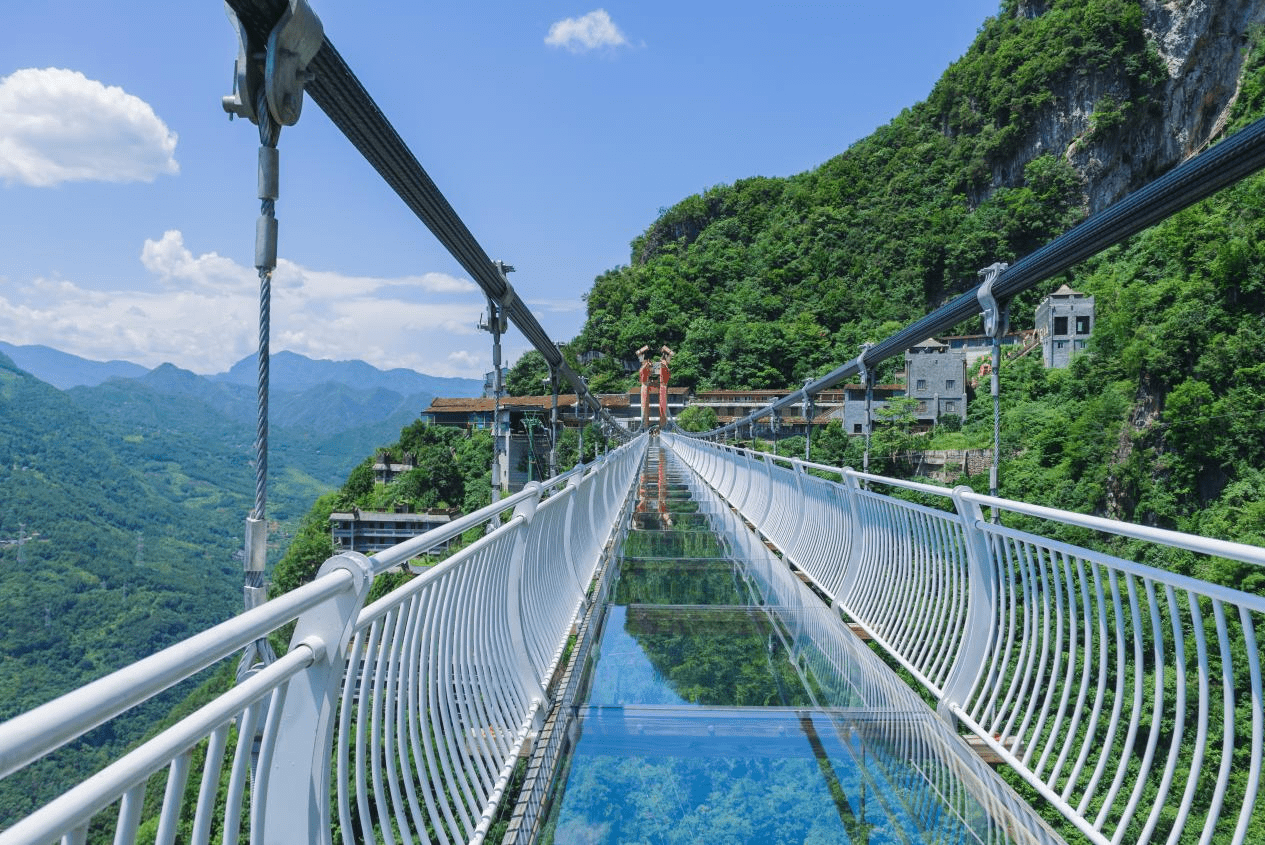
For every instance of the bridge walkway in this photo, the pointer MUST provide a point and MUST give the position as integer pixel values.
(725, 702)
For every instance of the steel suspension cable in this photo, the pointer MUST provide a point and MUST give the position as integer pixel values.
(346, 102)
(1193, 180)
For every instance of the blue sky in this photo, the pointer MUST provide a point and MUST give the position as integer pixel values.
(556, 129)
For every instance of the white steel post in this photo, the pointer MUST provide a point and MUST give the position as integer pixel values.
(296, 792)
(981, 597)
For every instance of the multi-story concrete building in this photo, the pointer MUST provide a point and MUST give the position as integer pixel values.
(373, 531)
(851, 413)
(1065, 320)
(935, 376)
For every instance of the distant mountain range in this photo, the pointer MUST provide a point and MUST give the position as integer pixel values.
(63, 370)
(288, 372)
(124, 491)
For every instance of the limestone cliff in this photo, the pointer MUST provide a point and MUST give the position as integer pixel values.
(1119, 141)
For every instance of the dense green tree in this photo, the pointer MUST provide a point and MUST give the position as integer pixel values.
(697, 418)
(529, 376)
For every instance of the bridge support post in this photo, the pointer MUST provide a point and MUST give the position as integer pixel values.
(996, 323)
(808, 407)
(980, 616)
(866, 374)
(527, 675)
(857, 543)
(295, 786)
(553, 424)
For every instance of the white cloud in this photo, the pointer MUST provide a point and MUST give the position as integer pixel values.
(556, 306)
(203, 315)
(59, 126)
(172, 262)
(466, 359)
(590, 32)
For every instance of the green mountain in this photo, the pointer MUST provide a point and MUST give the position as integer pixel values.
(99, 564)
(63, 370)
(292, 372)
(1057, 110)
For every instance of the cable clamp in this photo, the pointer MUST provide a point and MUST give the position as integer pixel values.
(279, 67)
(996, 315)
(864, 370)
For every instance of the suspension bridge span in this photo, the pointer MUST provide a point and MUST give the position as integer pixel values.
(685, 640)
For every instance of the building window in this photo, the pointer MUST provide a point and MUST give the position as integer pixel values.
(1082, 324)
(950, 384)
(922, 384)
(1060, 344)
(922, 407)
(1080, 344)
(950, 406)
(857, 428)
(1060, 325)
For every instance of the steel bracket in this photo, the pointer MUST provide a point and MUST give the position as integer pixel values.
(996, 314)
(864, 370)
(278, 67)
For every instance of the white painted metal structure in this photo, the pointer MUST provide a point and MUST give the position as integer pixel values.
(408, 714)
(1126, 695)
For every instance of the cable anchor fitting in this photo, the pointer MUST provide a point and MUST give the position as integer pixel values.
(996, 315)
(278, 67)
(864, 371)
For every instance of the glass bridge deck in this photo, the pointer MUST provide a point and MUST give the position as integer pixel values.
(724, 702)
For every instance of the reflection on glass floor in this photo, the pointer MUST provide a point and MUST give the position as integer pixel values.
(724, 702)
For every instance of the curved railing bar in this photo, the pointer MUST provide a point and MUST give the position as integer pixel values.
(414, 709)
(1040, 640)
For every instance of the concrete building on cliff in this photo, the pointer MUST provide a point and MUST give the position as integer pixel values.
(1065, 319)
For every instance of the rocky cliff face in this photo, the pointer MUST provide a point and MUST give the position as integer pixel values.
(1203, 45)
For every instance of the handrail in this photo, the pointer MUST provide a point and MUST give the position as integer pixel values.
(435, 538)
(335, 88)
(1176, 539)
(38, 732)
(1104, 683)
(466, 640)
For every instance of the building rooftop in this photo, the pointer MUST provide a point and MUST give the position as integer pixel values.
(460, 405)
(1066, 292)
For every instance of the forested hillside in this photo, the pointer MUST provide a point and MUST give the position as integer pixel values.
(767, 281)
(103, 560)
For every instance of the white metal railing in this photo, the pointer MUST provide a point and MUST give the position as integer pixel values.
(401, 719)
(1128, 696)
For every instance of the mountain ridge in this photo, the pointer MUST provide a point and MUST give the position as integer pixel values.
(288, 372)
